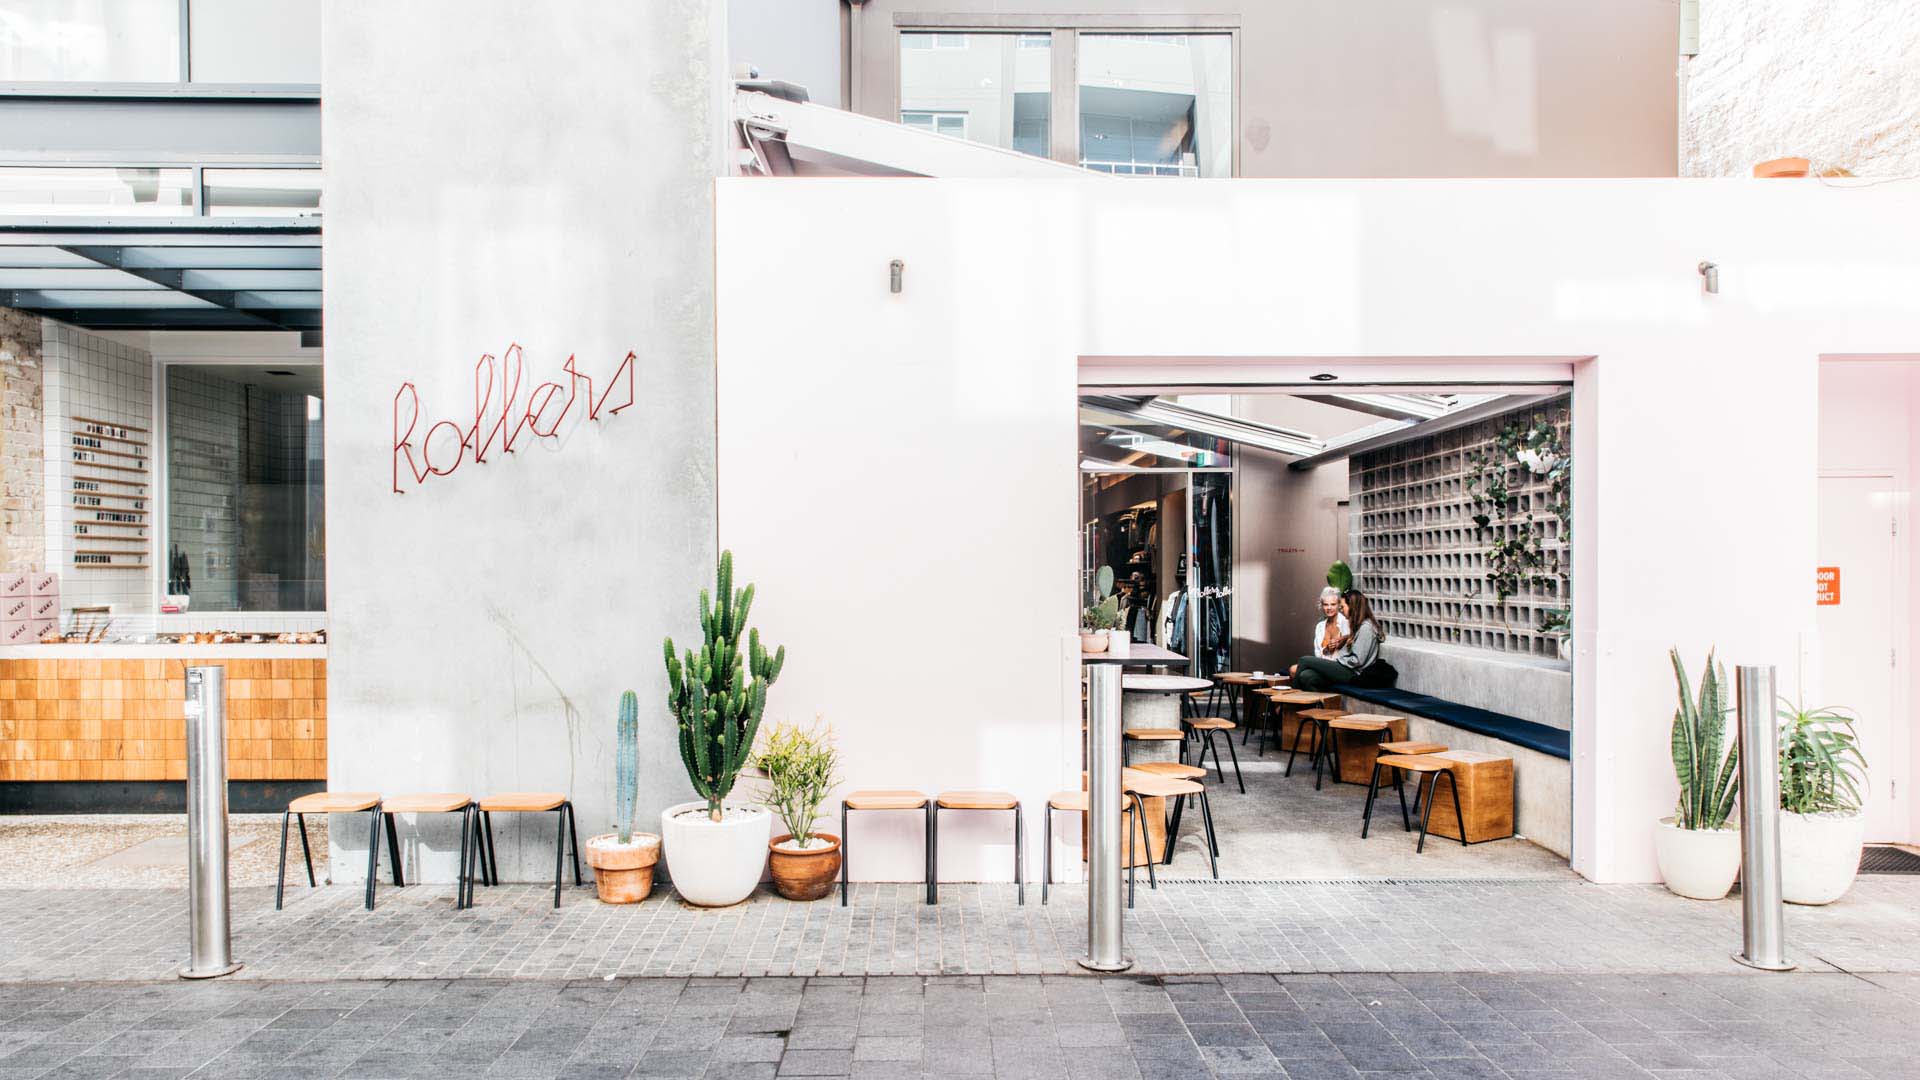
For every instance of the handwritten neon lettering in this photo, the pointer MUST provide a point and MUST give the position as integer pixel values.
(496, 379)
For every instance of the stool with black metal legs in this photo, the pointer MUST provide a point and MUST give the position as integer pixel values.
(1315, 720)
(534, 802)
(1131, 736)
(434, 803)
(1076, 802)
(1431, 769)
(886, 800)
(1204, 729)
(1149, 786)
(333, 802)
(1405, 748)
(982, 800)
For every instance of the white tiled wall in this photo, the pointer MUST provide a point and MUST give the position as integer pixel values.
(88, 375)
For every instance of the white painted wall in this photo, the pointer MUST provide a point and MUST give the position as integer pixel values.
(497, 175)
(1836, 81)
(902, 466)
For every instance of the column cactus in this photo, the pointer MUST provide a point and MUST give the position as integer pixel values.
(626, 765)
(718, 712)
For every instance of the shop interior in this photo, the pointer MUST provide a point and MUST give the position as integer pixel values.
(1220, 518)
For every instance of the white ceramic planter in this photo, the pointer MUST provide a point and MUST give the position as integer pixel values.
(714, 864)
(1819, 855)
(1119, 643)
(1699, 864)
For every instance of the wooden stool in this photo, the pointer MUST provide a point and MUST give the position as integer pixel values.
(532, 802)
(1290, 702)
(1260, 706)
(1314, 721)
(1203, 728)
(333, 802)
(1432, 769)
(1076, 802)
(1483, 797)
(1149, 734)
(1168, 787)
(893, 799)
(1356, 742)
(982, 800)
(1170, 768)
(1233, 687)
(440, 803)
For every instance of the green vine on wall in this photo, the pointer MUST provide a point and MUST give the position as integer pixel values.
(1523, 451)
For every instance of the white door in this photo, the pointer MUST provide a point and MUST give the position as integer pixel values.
(1860, 668)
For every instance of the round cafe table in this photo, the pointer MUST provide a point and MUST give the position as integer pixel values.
(1152, 702)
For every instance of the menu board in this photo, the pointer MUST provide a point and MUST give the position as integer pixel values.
(111, 485)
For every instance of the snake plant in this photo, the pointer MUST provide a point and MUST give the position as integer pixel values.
(1821, 768)
(1706, 762)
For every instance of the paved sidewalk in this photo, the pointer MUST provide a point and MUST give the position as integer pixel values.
(1313, 1027)
(1565, 926)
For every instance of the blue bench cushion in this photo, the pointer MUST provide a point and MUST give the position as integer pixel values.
(1533, 736)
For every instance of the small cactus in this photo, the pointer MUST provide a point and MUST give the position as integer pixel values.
(626, 764)
(718, 712)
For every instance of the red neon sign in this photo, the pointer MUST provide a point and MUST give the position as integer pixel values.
(503, 427)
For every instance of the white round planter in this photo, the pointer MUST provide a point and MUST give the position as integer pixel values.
(715, 863)
(1699, 864)
(1819, 855)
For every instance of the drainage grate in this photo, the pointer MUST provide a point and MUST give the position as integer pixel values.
(1887, 859)
(1364, 881)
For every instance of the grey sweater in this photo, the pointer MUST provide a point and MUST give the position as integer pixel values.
(1363, 649)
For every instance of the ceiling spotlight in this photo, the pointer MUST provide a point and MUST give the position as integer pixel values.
(1325, 376)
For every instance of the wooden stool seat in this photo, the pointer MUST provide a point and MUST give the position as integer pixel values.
(1322, 714)
(522, 802)
(1233, 678)
(1211, 723)
(1306, 698)
(1077, 801)
(334, 802)
(1358, 723)
(1484, 785)
(1378, 717)
(1411, 746)
(444, 802)
(1169, 768)
(976, 800)
(1149, 786)
(885, 799)
(1420, 763)
(1154, 734)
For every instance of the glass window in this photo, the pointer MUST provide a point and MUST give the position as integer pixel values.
(90, 41)
(245, 487)
(98, 192)
(262, 192)
(1157, 104)
(255, 41)
(990, 88)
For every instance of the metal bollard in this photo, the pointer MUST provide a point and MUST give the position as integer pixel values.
(1106, 928)
(1764, 939)
(209, 925)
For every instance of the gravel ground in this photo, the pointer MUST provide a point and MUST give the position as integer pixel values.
(140, 851)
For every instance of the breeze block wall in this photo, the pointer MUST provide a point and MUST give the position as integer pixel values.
(1422, 559)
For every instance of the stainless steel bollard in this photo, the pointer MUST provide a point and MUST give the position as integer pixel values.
(1764, 939)
(1106, 911)
(210, 927)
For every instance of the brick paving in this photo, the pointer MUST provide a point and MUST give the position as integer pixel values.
(1183, 928)
(1306, 1027)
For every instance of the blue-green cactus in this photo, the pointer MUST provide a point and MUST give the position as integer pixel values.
(718, 713)
(626, 764)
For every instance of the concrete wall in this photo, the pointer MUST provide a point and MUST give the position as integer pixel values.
(1434, 88)
(1837, 82)
(498, 175)
(1595, 270)
(23, 542)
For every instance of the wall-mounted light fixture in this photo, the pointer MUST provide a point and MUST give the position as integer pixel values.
(1325, 376)
(895, 271)
(1710, 275)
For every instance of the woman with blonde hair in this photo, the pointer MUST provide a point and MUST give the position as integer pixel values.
(1355, 655)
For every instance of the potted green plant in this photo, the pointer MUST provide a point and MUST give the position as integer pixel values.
(715, 848)
(1101, 614)
(1698, 851)
(801, 767)
(1340, 575)
(1822, 827)
(623, 860)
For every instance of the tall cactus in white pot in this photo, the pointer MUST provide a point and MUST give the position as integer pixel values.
(716, 849)
(1697, 848)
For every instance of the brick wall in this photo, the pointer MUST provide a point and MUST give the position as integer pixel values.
(23, 543)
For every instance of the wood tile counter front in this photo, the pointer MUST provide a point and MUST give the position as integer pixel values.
(105, 718)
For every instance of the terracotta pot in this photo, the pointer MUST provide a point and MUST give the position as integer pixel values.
(1095, 642)
(623, 875)
(1782, 168)
(805, 875)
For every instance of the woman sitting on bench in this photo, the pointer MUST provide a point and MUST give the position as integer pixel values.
(1356, 655)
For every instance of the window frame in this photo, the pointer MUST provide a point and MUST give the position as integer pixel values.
(183, 85)
(1064, 85)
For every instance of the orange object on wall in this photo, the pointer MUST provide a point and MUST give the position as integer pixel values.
(1827, 586)
(95, 719)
